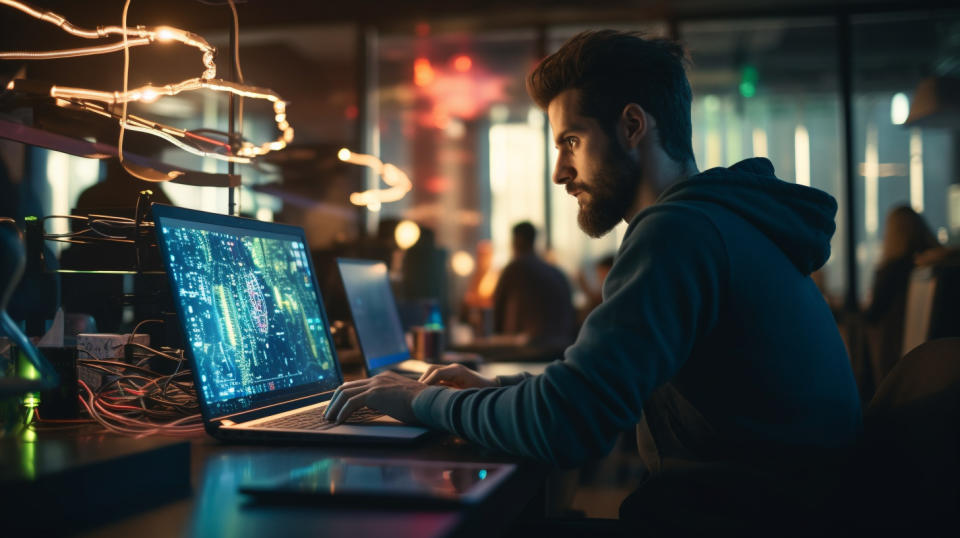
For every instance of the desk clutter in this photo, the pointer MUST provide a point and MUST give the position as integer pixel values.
(120, 383)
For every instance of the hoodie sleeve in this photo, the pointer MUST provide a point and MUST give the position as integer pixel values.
(662, 293)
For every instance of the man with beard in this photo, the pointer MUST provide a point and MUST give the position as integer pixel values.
(711, 337)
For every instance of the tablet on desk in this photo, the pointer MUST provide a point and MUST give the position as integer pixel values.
(383, 482)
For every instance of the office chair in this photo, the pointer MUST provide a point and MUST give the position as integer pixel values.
(933, 302)
(909, 467)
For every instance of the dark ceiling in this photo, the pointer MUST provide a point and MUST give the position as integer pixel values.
(213, 14)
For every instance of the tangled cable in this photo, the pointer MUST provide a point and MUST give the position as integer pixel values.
(135, 400)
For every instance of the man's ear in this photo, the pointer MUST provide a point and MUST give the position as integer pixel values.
(635, 123)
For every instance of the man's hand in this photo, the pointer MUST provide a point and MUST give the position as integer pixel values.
(457, 376)
(389, 393)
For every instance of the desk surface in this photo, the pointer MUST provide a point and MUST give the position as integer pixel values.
(216, 508)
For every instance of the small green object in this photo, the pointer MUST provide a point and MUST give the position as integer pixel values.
(31, 218)
(748, 81)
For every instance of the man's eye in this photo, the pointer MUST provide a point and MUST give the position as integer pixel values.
(570, 141)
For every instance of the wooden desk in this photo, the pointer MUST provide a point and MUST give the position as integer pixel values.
(216, 508)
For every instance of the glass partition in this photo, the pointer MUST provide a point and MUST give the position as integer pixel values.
(768, 88)
(898, 159)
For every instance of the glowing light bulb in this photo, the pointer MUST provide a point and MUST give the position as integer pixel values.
(462, 263)
(149, 95)
(462, 63)
(899, 109)
(407, 234)
(165, 35)
(423, 74)
(343, 154)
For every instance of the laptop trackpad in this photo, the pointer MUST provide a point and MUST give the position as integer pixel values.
(377, 429)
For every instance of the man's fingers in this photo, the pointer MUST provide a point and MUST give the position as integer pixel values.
(343, 393)
(430, 370)
(438, 374)
(353, 403)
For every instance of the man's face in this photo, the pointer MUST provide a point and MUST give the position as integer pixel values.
(591, 165)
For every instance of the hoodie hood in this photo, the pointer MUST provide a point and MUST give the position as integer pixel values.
(798, 219)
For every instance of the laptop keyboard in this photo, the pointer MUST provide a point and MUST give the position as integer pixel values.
(313, 419)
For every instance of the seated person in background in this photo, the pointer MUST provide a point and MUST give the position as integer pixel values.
(711, 338)
(594, 291)
(905, 237)
(423, 281)
(532, 297)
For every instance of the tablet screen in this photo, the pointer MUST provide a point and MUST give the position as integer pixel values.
(403, 481)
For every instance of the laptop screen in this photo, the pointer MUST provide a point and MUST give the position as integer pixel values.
(249, 308)
(374, 312)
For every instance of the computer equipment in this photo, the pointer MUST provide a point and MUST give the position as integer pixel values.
(383, 482)
(256, 332)
(12, 262)
(377, 322)
(376, 319)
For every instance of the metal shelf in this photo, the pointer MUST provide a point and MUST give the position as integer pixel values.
(96, 150)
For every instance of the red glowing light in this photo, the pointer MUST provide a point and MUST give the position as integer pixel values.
(462, 63)
(351, 112)
(423, 73)
(437, 185)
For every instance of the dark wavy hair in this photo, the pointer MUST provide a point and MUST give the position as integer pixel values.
(613, 69)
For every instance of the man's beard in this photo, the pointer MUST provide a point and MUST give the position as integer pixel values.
(612, 191)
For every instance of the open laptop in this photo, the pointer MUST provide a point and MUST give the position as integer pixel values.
(257, 335)
(375, 318)
(377, 321)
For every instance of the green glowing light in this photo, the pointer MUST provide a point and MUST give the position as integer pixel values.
(26, 370)
(28, 454)
(748, 81)
(482, 474)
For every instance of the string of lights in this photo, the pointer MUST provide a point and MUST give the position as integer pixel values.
(139, 36)
(97, 229)
(143, 35)
(396, 178)
(187, 140)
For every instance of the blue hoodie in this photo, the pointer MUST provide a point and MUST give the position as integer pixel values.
(711, 336)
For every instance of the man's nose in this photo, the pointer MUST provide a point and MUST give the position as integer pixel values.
(563, 173)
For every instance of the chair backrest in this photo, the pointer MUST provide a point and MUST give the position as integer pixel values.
(912, 427)
(916, 321)
(933, 303)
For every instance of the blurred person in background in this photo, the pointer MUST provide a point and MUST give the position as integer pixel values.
(907, 240)
(532, 297)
